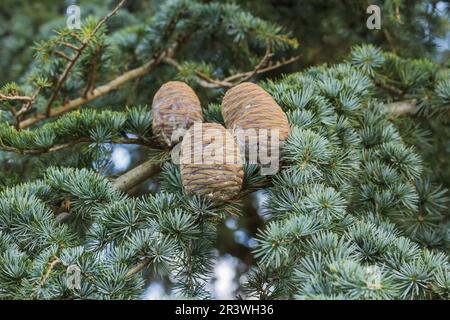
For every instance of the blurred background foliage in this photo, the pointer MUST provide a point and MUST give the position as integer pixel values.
(326, 29)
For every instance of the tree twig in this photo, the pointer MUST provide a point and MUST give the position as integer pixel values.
(402, 107)
(389, 87)
(25, 107)
(136, 175)
(14, 98)
(138, 267)
(264, 61)
(69, 45)
(74, 59)
(62, 55)
(207, 82)
(51, 266)
(94, 94)
(247, 75)
(390, 40)
(49, 270)
(92, 74)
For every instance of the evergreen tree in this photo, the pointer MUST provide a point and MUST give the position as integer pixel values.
(356, 211)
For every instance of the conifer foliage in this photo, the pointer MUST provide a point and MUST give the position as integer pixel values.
(352, 199)
(353, 213)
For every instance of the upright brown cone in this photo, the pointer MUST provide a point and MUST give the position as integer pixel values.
(247, 106)
(175, 107)
(211, 165)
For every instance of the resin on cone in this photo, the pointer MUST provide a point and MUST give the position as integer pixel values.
(175, 108)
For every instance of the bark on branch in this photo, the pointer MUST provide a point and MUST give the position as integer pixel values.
(402, 107)
(136, 175)
(210, 83)
(94, 94)
(14, 98)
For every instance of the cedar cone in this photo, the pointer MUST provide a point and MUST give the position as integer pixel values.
(175, 108)
(247, 106)
(211, 164)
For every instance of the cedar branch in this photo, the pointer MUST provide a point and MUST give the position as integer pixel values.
(14, 98)
(402, 107)
(78, 54)
(94, 94)
(63, 146)
(210, 83)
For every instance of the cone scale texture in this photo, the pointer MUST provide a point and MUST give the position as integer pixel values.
(211, 165)
(175, 108)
